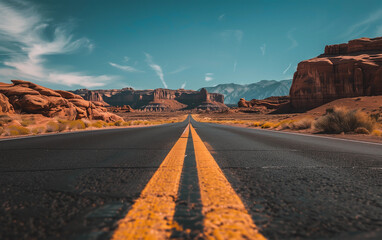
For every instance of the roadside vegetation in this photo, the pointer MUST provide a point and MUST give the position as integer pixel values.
(29, 124)
(337, 120)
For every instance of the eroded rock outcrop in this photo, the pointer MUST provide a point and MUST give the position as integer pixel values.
(27, 97)
(264, 105)
(156, 100)
(345, 70)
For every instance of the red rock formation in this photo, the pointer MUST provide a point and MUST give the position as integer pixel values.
(264, 105)
(156, 100)
(344, 70)
(27, 97)
(5, 106)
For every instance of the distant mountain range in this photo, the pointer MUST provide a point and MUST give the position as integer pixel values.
(266, 88)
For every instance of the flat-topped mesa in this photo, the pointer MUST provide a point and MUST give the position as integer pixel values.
(156, 100)
(345, 70)
(355, 46)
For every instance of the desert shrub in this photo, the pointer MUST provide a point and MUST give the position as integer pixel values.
(343, 120)
(76, 124)
(99, 124)
(267, 125)
(255, 124)
(14, 130)
(361, 130)
(118, 123)
(377, 132)
(375, 116)
(128, 123)
(38, 130)
(304, 123)
(62, 126)
(284, 124)
(52, 127)
(4, 119)
(87, 122)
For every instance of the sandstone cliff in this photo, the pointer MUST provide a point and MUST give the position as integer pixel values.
(156, 100)
(345, 70)
(27, 97)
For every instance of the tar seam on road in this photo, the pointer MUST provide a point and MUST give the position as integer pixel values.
(151, 216)
(225, 216)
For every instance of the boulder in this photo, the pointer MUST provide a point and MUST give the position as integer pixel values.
(5, 105)
(68, 95)
(27, 97)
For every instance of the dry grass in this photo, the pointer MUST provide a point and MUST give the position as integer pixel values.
(267, 125)
(255, 124)
(4, 119)
(27, 121)
(99, 124)
(301, 124)
(75, 124)
(14, 130)
(377, 132)
(38, 130)
(52, 127)
(339, 119)
(361, 130)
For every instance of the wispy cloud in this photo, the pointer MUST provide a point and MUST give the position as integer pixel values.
(183, 85)
(23, 32)
(263, 48)
(234, 66)
(235, 34)
(156, 68)
(362, 26)
(221, 17)
(379, 31)
(126, 59)
(286, 69)
(294, 43)
(208, 77)
(124, 67)
(181, 69)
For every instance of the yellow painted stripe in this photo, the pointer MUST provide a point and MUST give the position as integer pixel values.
(225, 216)
(151, 216)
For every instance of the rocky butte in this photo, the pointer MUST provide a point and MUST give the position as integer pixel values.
(345, 70)
(30, 98)
(156, 100)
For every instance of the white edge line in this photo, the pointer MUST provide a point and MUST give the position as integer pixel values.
(302, 134)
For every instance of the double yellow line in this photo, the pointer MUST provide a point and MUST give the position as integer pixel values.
(152, 215)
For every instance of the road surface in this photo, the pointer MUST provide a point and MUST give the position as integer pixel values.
(189, 180)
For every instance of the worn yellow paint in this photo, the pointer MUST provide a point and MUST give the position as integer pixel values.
(225, 216)
(151, 216)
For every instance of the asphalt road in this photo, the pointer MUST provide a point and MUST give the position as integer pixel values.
(78, 185)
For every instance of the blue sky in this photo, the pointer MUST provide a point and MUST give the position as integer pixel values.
(153, 44)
